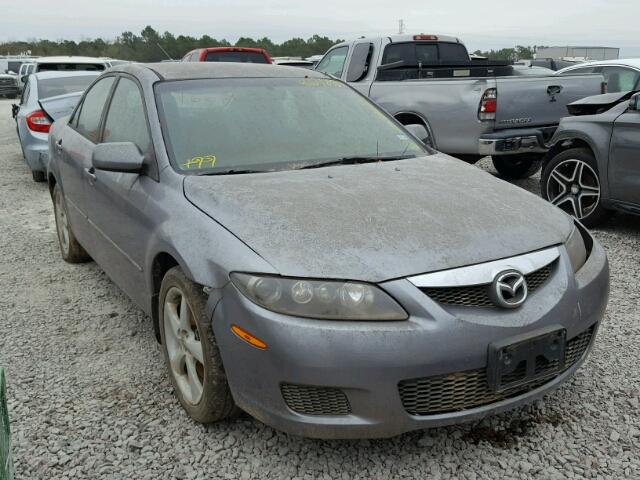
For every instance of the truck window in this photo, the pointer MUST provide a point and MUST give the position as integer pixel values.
(359, 63)
(414, 53)
(333, 62)
(239, 57)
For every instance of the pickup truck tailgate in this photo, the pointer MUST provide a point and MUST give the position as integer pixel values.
(537, 101)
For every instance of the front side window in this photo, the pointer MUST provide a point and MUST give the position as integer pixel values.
(620, 79)
(88, 123)
(333, 62)
(263, 124)
(126, 120)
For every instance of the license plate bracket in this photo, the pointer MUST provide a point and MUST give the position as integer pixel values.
(523, 359)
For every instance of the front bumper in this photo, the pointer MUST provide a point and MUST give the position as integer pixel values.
(367, 361)
(516, 141)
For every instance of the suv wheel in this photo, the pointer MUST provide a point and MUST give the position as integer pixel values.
(190, 350)
(571, 182)
(514, 167)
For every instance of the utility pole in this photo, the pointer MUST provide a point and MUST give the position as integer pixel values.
(400, 26)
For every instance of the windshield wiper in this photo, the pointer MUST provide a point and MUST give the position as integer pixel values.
(355, 160)
(232, 171)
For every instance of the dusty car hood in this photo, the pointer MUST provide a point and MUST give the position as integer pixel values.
(379, 221)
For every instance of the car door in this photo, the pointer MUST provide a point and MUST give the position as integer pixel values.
(624, 158)
(74, 148)
(359, 72)
(117, 211)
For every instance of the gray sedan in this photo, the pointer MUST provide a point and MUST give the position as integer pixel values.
(308, 260)
(46, 97)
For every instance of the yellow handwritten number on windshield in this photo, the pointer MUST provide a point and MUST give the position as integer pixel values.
(204, 161)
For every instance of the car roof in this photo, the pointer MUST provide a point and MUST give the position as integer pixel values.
(68, 59)
(47, 74)
(201, 70)
(624, 62)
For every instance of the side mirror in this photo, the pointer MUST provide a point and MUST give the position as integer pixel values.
(24, 78)
(420, 132)
(634, 103)
(121, 157)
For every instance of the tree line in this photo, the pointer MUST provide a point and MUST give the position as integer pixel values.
(146, 46)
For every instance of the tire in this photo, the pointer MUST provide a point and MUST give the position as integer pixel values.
(38, 176)
(515, 167)
(70, 248)
(202, 389)
(570, 180)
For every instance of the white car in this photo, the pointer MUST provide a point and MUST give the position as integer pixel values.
(620, 75)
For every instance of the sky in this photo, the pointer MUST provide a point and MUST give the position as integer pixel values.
(480, 24)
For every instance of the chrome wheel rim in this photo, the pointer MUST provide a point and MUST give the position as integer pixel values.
(574, 187)
(184, 348)
(62, 224)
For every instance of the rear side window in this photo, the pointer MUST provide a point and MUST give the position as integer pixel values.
(53, 87)
(620, 79)
(88, 123)
(238, 57)
(333, 62)
(126, 120)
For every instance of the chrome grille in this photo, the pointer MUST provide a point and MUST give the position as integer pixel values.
(470, 389)
(478, 295)
(309, 400)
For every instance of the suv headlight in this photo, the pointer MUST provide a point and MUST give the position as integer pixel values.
(327, 300)
(576, 249)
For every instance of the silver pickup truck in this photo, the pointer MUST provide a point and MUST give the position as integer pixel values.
(470, 108)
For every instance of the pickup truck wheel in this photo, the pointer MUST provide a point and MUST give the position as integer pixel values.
(191, 352)
(570, 181)
(70, 248)
(514, 167)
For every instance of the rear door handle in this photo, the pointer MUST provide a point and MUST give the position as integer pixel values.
(89, 173)
(59, 144)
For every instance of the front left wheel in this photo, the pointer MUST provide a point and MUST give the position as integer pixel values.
(191, 352)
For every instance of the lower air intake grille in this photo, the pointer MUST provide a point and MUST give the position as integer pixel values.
(470, 389)
(309, 400)
(477, 295)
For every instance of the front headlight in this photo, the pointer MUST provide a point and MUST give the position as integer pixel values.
(576, 249)
(327, 300)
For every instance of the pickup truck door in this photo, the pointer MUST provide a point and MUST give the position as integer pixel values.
(624, 158)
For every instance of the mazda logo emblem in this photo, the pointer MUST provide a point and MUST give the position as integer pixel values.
(509, 289)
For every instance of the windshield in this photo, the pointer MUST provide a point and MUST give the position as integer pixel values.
(53, 87)
(267, 124)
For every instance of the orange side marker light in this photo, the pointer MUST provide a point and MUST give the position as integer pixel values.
(247, 337)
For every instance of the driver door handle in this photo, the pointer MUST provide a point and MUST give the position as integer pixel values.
(90, 174)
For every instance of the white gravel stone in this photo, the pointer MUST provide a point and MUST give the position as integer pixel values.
(90, 400)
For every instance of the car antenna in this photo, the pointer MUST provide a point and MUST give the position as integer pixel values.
(164, 51)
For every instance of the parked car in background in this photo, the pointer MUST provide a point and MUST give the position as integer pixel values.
(307, 259)
(314, 59)
(470, 107)
(46, 97)
(593, 167)
(293, 62)
(8, 85)
(228, 54)
(621, 75)
(62, 63)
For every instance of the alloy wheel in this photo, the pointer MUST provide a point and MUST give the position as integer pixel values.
(573, 186)
(62, 224)
(183, 346)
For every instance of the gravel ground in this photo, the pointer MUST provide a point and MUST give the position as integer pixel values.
(89, 397)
